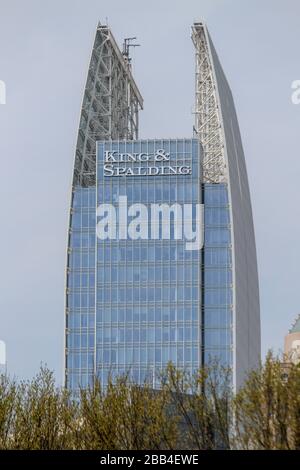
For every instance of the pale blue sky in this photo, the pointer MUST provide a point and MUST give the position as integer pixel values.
(44, 54)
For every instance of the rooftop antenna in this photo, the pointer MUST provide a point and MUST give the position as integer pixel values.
(126, 48)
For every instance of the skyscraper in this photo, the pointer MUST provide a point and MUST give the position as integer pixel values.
(136, 300)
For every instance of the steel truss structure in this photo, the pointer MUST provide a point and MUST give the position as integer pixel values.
(208, 124)
(110, 105)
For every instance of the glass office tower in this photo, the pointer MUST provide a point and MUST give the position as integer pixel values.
(134, 304)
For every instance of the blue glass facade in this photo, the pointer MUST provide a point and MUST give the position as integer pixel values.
(135, 305)
(81, 289)
(217, 305)
(148, 291)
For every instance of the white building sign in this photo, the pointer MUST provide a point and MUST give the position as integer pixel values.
(142, 164)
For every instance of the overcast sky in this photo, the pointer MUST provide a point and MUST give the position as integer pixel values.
(44, 54)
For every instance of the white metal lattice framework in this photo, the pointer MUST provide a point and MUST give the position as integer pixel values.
(110, 105)
(207, 117)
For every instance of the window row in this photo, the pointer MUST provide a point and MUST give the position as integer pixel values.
(148, 314)
(80, 320)
(84, 197)
(148, 273)
(147, 334)
(145, 252)
(213, 317)
(150, 192)
(162, 354)
(212, 257)
(215, 194)
(216, 216)
(146, 294)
